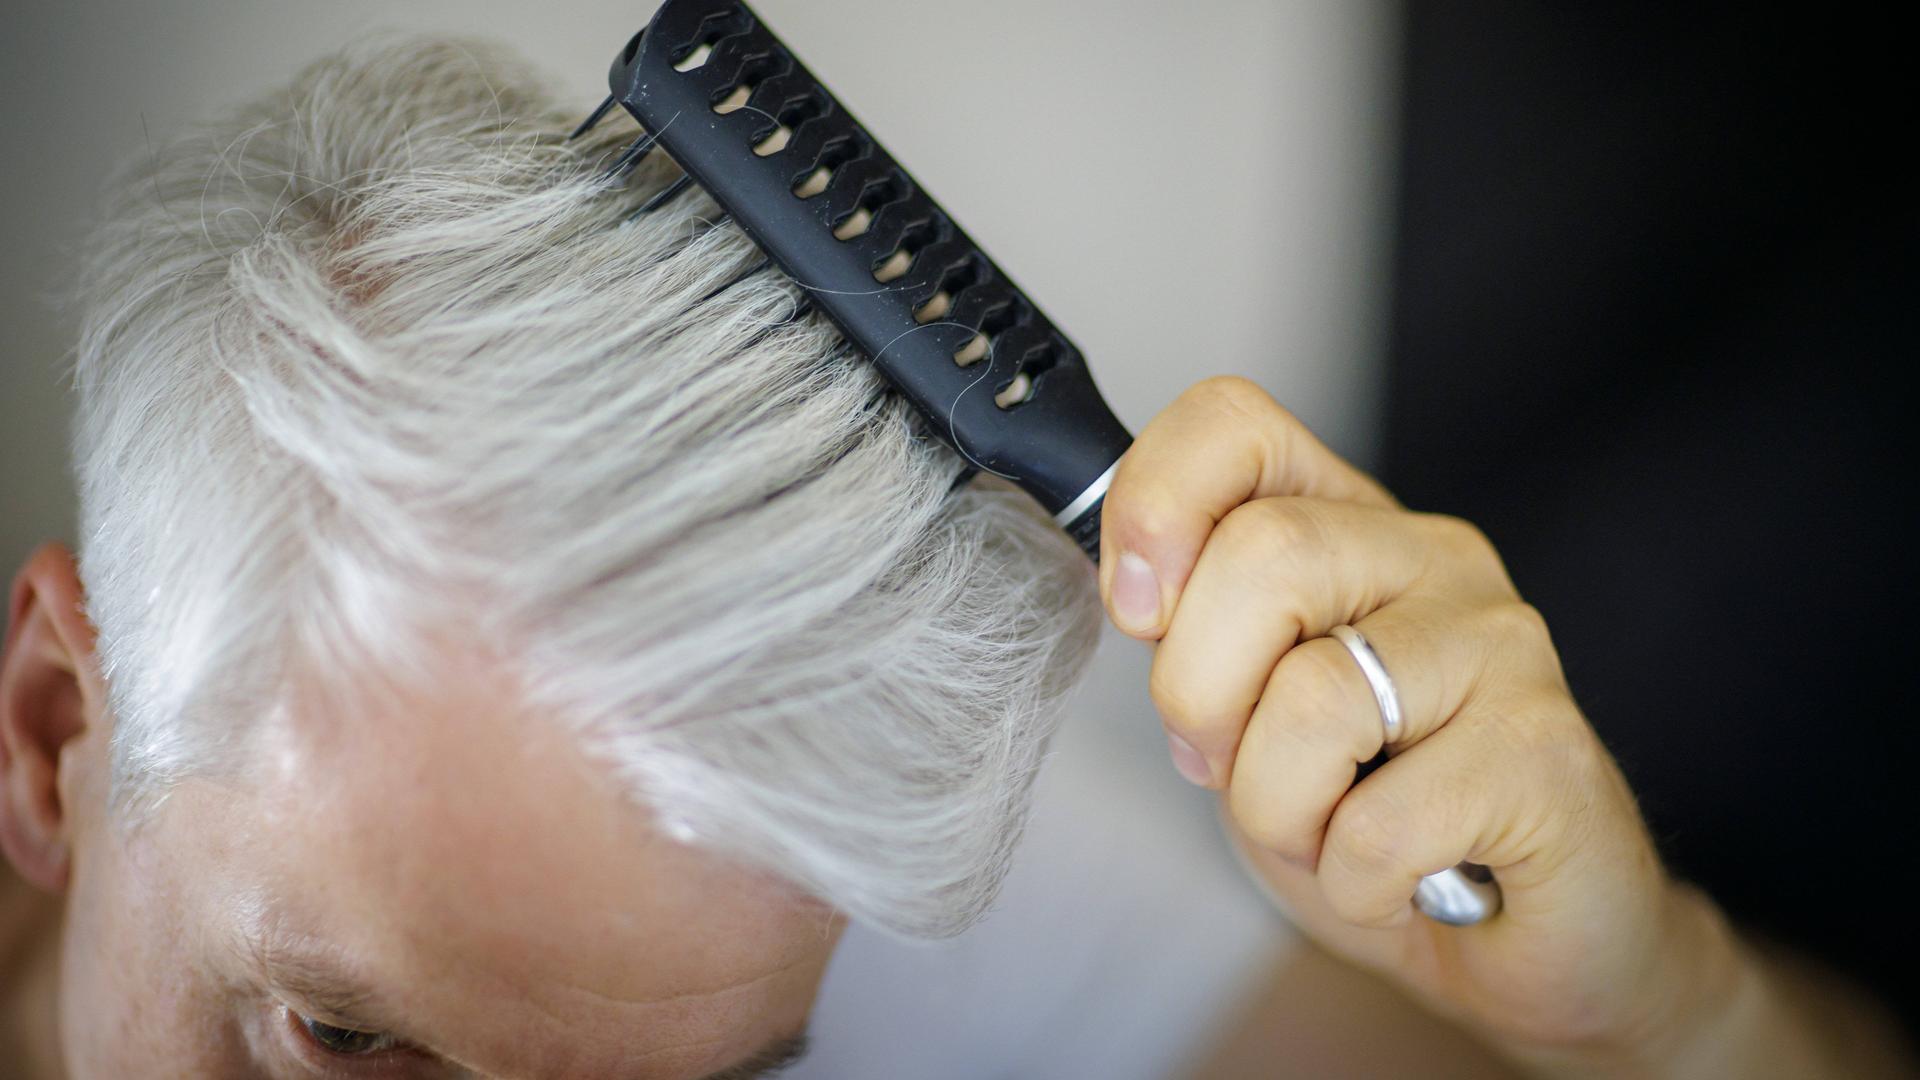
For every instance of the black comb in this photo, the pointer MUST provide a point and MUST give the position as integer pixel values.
(742, 116)
(745, 119)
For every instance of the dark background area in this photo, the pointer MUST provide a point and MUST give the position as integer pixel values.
(1653, 312)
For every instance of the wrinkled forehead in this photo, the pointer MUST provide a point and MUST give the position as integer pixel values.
(485, 882)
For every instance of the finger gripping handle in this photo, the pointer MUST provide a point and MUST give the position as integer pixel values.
(1460, 895)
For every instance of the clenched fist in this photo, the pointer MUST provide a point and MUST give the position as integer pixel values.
(1235, 540)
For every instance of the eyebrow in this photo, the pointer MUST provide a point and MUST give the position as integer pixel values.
(767, 1060)
(318, 982)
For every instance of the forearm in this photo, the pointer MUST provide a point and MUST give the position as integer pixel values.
(1747, 1011)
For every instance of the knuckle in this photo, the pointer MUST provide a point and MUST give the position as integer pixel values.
(1267, 822)
(1139, 508)
(1544, 739)
(1148, 520)
(1364, 865)
(1369, 836)
(1520, 644)
(1315, 688)
(1466, 542)
(1569, 774)
(1274, 527)
(1273, 548)
(1522, 620)
(1234, 394)
(1457, 530)
(1181, 703)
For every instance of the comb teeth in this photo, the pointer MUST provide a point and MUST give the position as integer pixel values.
(662, 197)
(874, 251)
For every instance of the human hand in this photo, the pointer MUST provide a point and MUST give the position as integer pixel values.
(1237, 541)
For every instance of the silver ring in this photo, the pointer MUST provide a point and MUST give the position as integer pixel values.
(1385, 694)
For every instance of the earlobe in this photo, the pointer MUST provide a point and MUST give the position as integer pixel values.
(49, 698)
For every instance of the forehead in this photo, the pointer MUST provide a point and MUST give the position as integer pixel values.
(489, 881)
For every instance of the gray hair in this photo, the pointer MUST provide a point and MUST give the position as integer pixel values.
(377, 361)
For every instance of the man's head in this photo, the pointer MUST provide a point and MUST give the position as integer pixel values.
(493, 624)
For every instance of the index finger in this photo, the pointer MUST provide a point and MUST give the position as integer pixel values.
(1222, 442)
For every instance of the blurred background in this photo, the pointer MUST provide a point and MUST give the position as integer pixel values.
(1628, 287)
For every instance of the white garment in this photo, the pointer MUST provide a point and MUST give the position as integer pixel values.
(1126, 936)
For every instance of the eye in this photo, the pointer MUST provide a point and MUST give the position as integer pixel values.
(346, 1042)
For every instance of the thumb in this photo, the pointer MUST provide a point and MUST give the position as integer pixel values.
(1221, 443)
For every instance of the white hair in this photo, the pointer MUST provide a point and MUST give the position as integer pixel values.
(377, 362)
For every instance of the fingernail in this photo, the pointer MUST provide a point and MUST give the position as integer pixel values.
(1136, 593)
(1188, 760)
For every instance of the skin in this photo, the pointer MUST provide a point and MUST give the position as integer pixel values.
(442, 868)
(437, 864)
(1235, 540)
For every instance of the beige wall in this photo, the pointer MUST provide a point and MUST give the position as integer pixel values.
(1188, 188)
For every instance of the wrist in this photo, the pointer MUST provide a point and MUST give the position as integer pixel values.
(1718, 1001)
(1718, 990)
(1702, 986)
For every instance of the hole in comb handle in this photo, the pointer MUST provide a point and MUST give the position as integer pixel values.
(974, 351)
(980, 346)
(734, 100)
(956, 280)
(775, 141)
(1017, 391)
(835, 152)
(813, 183)
(856, 224)
(895, 266)
(860, 218)
(933, 307)
(697, 57)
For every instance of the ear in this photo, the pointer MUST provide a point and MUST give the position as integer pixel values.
(51, 698)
